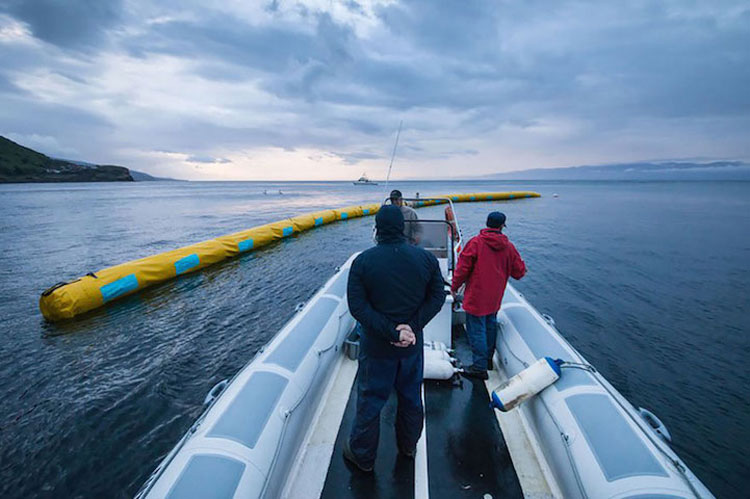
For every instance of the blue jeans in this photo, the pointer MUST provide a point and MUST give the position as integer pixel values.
(377, 379)
(482, 333)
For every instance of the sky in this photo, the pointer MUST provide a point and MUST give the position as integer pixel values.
(298, 90)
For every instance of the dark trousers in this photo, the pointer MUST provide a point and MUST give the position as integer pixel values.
(482, 333)
(377, 378)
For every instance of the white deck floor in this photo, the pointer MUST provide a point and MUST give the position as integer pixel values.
(308, 476)
(307, 479)
(532, 470)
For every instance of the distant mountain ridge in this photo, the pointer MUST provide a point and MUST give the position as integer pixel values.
(137, 176)
(145, 177)
(21, 164)
(668, 170)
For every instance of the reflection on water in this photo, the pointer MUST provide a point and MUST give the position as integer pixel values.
(648, 280)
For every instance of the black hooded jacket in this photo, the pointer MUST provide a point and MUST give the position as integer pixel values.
(393, 283)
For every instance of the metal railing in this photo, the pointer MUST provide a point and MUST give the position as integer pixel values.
(453, 231)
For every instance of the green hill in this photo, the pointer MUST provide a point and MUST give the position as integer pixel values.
(21, 164)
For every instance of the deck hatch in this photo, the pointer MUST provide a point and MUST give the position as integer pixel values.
(617, 448)
(208, 476)
(542, 344)
(290, 352)
(246, 417)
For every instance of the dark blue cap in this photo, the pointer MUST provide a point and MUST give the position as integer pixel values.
(495, 220)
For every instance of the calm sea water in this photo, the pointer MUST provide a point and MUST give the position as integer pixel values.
(650, 281)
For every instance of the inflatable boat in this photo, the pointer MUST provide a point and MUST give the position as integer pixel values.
(276, 429)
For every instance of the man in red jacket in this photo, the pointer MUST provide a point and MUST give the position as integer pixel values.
(485, 264)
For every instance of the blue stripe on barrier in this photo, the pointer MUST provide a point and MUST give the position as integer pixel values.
(528, 195)
(366, 211)
(319, 221)
(344, 215)
(288, 231)
(455, 198)
(185, 264)
(245, 245)
(472, 198)
(511, 196)
(119, 287)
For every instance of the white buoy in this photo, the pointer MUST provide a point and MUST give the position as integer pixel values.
(438, 355)
(436, 345)
(438, 368)
(525, 384)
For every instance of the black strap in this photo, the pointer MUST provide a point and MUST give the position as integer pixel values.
(60, 284)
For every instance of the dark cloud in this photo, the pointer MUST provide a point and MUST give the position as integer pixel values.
(274, 48)
(25, 116)
(68, 23)
(354, 6)
(465, 30)
(352, 158)
(7, 86)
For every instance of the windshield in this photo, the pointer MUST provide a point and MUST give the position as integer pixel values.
(434, 236)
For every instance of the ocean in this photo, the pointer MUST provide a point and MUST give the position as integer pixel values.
(649, 280)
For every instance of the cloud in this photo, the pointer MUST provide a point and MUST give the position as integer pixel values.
(481, 86)
(206, 159)
(42, 143)
(69, 24)
(352, 158)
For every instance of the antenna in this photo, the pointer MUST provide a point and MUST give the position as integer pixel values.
(393, 155)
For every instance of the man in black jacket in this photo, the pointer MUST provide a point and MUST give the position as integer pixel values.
(394, 290)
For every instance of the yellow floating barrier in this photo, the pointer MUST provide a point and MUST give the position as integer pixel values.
(68, 299)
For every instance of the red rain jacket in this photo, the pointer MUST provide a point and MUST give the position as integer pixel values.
(485, 265)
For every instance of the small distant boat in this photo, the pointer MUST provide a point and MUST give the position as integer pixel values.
(363, 180)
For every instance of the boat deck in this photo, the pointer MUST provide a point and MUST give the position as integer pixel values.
(393, 475)
(466, 455)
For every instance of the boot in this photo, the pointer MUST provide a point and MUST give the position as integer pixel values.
(349, 456)
(409, 454)
(475, 372)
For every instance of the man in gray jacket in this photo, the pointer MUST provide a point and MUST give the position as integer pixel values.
(412, 227)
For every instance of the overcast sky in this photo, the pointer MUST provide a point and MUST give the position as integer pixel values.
(316, 89)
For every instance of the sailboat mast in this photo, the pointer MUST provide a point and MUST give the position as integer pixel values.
(393, 155)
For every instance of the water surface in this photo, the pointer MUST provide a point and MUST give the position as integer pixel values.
(648, 280)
